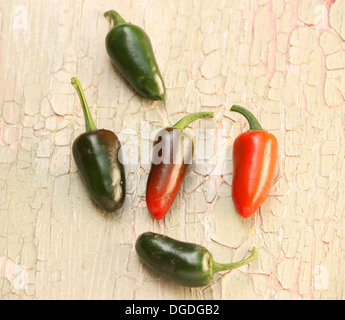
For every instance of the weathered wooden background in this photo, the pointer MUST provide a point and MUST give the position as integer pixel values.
(284, 60)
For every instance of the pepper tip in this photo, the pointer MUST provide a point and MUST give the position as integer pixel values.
(117, 19)
(74, 80)
(254, 253)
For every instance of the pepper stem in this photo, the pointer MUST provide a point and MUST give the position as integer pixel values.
(89, 124)
(228, 266)
(184, 122)
(254, 124)
(117, 19)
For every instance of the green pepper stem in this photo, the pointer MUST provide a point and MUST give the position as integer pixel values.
(184, 122)
(117, 19)
(228, 266)
(89, 124)
(254, 124)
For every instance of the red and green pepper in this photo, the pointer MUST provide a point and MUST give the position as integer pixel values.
(97, 156)
(167, 174)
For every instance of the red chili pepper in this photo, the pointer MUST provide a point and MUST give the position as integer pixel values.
(255, 154)
(170, 161)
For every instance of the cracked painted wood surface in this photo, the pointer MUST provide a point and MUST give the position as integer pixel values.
(284, 60)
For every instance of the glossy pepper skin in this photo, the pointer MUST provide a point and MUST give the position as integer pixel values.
(130, 50)
(255, 154)
(97, 156)
(167, 174)
(186, 263)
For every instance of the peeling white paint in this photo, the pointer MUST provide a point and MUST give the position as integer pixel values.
(284, 60)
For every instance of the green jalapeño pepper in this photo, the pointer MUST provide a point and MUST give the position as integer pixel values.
(186, 263)
(97, 157)
(130, 50)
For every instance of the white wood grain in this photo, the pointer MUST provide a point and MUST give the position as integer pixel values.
(282, 59)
